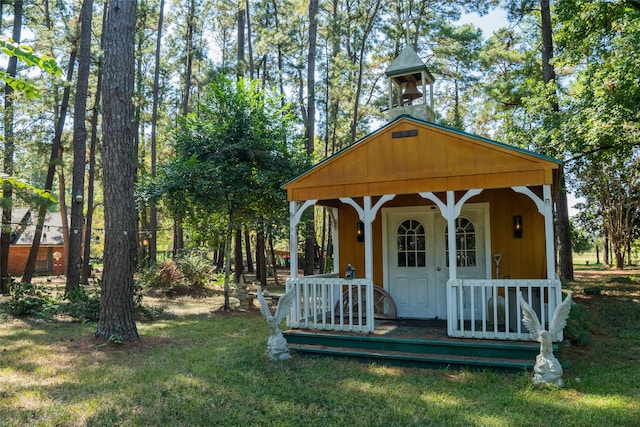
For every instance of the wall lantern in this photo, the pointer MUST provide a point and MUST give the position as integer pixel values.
(517, 226)
(360, 231)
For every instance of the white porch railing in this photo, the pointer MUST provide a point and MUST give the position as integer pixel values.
(490, 309)
(328, 302)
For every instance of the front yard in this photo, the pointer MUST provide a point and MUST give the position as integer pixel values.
(197, 366)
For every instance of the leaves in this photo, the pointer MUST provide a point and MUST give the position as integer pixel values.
(25, 53)
(234, 154)
(21, 185)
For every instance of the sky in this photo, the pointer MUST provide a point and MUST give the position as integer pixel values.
(495, 19)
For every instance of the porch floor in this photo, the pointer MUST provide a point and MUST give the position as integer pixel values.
(415, 343)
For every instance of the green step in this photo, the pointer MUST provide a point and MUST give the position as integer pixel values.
(480, 354)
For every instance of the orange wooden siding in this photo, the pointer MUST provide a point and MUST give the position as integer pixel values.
(436, 159)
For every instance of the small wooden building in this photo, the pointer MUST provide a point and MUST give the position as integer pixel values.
(437, 224)
(51, 256)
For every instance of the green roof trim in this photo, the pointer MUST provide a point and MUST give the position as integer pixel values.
(437, 126)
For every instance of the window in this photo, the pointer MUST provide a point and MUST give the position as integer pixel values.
(42, 260)
(465, 243)
(411, 244)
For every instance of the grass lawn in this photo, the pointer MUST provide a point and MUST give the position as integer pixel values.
(196, 366)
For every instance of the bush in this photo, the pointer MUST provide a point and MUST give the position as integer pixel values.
(29, 299)
(82, 305)
(191, 270)
(594, 290)
(196, 267)
(166, 275)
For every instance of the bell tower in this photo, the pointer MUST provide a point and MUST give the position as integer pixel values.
(409, 80)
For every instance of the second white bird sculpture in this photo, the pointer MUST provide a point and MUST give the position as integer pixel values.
(277, 346)
(547, 369)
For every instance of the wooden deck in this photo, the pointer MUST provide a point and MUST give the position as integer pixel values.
(415, 343)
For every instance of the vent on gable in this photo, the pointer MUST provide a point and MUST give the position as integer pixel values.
(404, 133)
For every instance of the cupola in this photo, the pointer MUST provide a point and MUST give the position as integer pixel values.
(409, 80)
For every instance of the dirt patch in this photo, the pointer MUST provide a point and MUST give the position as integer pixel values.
(92, 343)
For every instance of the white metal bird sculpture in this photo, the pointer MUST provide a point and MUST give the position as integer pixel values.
(547, 368)
(277, 346)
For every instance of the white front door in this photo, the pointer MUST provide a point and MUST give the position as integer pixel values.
(410, 257)
(415, 256)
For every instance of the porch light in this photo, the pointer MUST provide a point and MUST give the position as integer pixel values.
(517, 226)
(360, 231)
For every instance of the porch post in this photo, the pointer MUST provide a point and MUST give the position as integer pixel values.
(367, 214)
(333, 212)
(545, 207)
(451, 236)
(295, 213)
(549, 232)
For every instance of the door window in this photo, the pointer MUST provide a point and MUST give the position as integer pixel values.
(411, 245)
(465, 243)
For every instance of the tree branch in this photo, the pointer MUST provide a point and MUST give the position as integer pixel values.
(595, 150)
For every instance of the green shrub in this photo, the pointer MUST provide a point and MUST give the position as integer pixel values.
(140, 309)
(82, 305)
(166, 275)
(593, 290)
(196, 267)
(191, 270)
(29, 299)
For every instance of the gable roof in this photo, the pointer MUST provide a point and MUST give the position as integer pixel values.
(51, 233)
(409, 155)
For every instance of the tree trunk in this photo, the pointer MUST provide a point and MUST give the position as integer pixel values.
(178, 232)
(607, 252)
(249, 45)
(79, 148)
(563, 231)
(117, 319)
(153, 210)
(221, 255)
(9, 150)
(86, 262)
(227, 261)
(238, 258)
(562, 227)
(241, 61)
(261, 256)
(64, 218)
(247, 245)
(273, 261)
(310, 241)
(53, 161)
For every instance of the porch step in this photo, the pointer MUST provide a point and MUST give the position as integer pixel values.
(503, 356)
